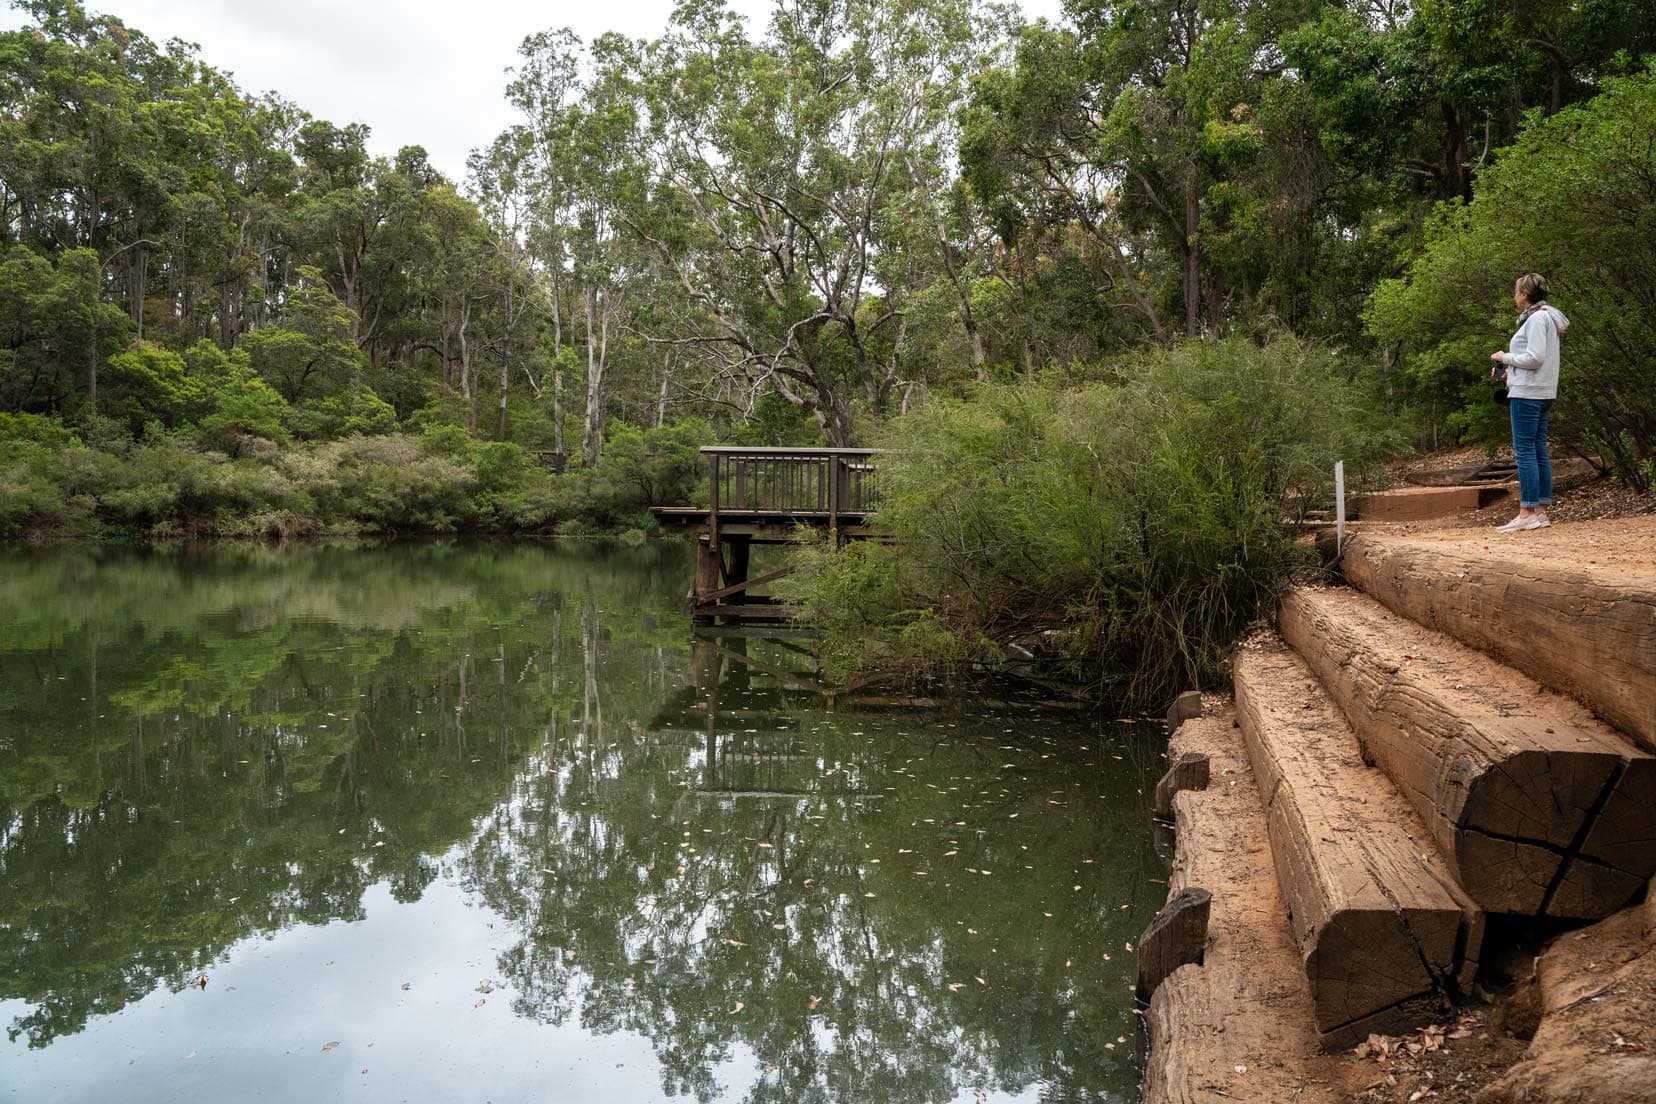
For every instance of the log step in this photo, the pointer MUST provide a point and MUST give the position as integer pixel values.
(1424, 503)
(1238, 1026)
(1385, 935)
(1585, 630)
(1538, 807)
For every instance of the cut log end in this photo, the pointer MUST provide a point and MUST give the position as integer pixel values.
(1176, 937)
(1540, 808)
(1190, 771)
(1187, 706)
(1384, 936)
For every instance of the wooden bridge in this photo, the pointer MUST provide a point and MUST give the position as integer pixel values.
(766, 496)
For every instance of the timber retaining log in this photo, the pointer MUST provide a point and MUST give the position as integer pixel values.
(1590, 634)
(1238, 1026)
(1386, 936)
(1538, 807)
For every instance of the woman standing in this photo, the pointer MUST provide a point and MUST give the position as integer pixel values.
(1530, 365)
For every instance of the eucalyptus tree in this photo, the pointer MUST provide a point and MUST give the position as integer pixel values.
(545, 87)
(498, 180)
(455, 273)
(310, 352)
(777, 168)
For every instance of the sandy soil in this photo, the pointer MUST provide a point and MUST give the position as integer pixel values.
(1620, 544)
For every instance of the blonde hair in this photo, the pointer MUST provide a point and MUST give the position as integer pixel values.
(1532, 286)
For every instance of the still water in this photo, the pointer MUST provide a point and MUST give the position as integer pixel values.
(481, 823)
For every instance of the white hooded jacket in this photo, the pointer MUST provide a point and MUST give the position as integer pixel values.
(1531, 360)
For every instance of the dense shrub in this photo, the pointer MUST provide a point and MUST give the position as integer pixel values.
(224, 475)
(1141, 517)
(1574, 198)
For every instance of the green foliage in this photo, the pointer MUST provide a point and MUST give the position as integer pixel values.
(1572, 198)
(848, 592)
(660, 466)
(1141, 517)
(357, 412)
(53, 327)
(243, 406)
(149, 383)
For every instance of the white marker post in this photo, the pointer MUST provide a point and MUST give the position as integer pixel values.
(1339, 508)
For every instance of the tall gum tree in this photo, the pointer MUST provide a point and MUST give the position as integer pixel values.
(777, 164)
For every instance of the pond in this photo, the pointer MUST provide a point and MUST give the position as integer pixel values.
(482, 823)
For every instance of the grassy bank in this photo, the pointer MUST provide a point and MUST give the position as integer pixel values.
(1125, 526)
(101, 481)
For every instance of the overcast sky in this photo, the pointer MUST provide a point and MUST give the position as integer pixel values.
(425, 72)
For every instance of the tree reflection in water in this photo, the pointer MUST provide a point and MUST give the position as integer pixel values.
(869, 903)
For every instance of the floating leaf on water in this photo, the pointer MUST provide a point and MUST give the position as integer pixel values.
(814, 1002)
(329, 1046)
(735, 942)
(200, 981)
(738, 1008)
(407, 985)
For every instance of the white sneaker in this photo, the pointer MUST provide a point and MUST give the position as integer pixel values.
(1512, 526)
(1544, 521)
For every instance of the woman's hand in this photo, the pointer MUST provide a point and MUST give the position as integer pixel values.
(1498, 358)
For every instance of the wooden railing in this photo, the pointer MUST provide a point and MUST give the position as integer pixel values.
(811, 484)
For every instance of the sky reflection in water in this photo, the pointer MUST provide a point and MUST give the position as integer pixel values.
(606, 866)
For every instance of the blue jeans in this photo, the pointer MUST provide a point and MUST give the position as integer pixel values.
(1529, 448)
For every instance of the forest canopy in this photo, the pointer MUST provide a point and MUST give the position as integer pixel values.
(787, 233)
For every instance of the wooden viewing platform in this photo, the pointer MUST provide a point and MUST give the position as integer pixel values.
(765, 496)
